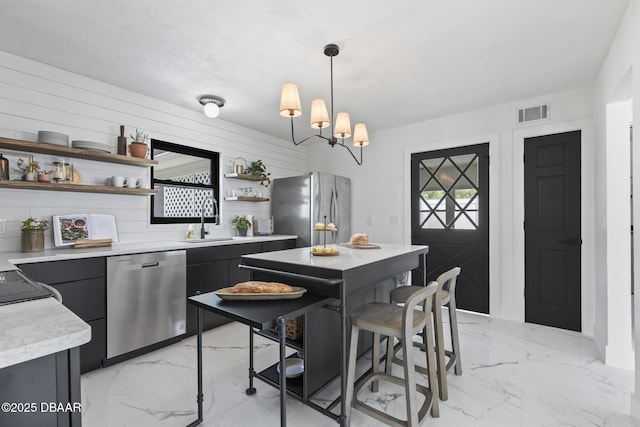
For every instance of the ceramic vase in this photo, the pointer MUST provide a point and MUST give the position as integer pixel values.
(242, 232)
(32, 240)
(138, 150)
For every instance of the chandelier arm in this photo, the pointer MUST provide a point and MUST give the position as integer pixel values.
(293, 138)
(359, 162)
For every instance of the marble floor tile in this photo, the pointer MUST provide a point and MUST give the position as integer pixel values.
(514, 374)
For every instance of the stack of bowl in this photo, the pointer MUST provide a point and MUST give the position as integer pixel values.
(56, 138)
(91, 146)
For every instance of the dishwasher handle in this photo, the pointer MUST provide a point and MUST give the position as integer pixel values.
(150, 264)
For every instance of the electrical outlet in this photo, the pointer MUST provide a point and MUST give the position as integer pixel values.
(393, 220)
(369, 220)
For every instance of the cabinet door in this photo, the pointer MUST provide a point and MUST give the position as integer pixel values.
(48, 379)
(278, 245)
(86, 298)
(66, 271)
(82, 285)
(204, 278)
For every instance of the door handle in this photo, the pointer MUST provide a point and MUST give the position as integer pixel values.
(575, 241)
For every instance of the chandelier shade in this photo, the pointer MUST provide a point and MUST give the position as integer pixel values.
(319, 114)
(340, 124)
(343, 126)
(290, 101)
(360, 136)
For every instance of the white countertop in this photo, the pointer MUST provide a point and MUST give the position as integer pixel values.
(346, 259)
(33, 329)
(38, 328)
(8, 260)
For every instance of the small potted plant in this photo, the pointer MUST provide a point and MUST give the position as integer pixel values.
(241, 224)
(258, 170)
(138, 147)
(32, 239)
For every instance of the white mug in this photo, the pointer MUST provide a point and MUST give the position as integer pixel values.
(131, 182)
(119, 181)
(141, 183)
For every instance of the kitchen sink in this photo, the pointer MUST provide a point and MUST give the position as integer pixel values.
(208, 239)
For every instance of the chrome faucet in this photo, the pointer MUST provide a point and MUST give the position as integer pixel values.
(204, 232)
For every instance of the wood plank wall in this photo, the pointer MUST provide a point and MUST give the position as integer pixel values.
(35, 96)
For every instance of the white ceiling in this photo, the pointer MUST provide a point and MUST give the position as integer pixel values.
(401, 62)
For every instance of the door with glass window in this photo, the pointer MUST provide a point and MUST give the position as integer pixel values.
(450, 213)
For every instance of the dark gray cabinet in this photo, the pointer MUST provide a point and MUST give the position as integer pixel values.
(216, 267)
(82, 284)
(202, 278)
(32, 386)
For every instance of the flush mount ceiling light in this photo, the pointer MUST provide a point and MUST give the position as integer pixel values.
(290, 107)
(212, 105)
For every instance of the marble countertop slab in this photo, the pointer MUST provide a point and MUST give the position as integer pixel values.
(38, 328)
(347, 258)
(8, 260)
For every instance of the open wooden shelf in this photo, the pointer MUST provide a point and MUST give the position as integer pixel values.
(79, 188)
(58, 150)
(245, 177)
(247, 199)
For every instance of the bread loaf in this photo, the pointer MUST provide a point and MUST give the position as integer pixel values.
(255, 287)
(359, 239)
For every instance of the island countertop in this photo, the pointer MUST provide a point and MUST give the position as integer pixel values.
(357, 267)
(347, 258)
(37, 328)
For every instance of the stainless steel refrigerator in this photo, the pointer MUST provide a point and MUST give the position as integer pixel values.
(299, 202)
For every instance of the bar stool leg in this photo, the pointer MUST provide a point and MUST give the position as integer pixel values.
(455, 342)
(390, 356)
(439, 352)
(431, 365)
(375, 360)
(410, 381)
(351, 373)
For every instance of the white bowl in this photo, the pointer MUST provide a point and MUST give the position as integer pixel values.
(294, 367)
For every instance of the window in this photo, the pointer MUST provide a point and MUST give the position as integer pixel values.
(187, 182)
(448, 192)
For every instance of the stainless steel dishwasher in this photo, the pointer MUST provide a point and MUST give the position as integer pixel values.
(146, 300)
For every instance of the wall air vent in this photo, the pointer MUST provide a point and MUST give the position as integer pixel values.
(531, 114)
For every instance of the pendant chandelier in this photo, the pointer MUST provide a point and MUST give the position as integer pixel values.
(290, 107)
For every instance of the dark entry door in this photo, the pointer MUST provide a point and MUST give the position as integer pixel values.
(450, 213)
(552, 230)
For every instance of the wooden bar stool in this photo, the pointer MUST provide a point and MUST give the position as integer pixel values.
(403, 323)
(445, 295)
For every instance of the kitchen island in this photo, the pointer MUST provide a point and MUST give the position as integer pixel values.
(40, 364)
(350, 279)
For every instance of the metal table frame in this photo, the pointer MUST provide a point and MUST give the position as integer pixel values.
(260, 315)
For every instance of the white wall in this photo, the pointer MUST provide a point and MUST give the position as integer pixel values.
(381, 186)
(622, 64)
(34, 97)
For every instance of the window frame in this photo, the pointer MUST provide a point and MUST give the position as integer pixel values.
(214, 186)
